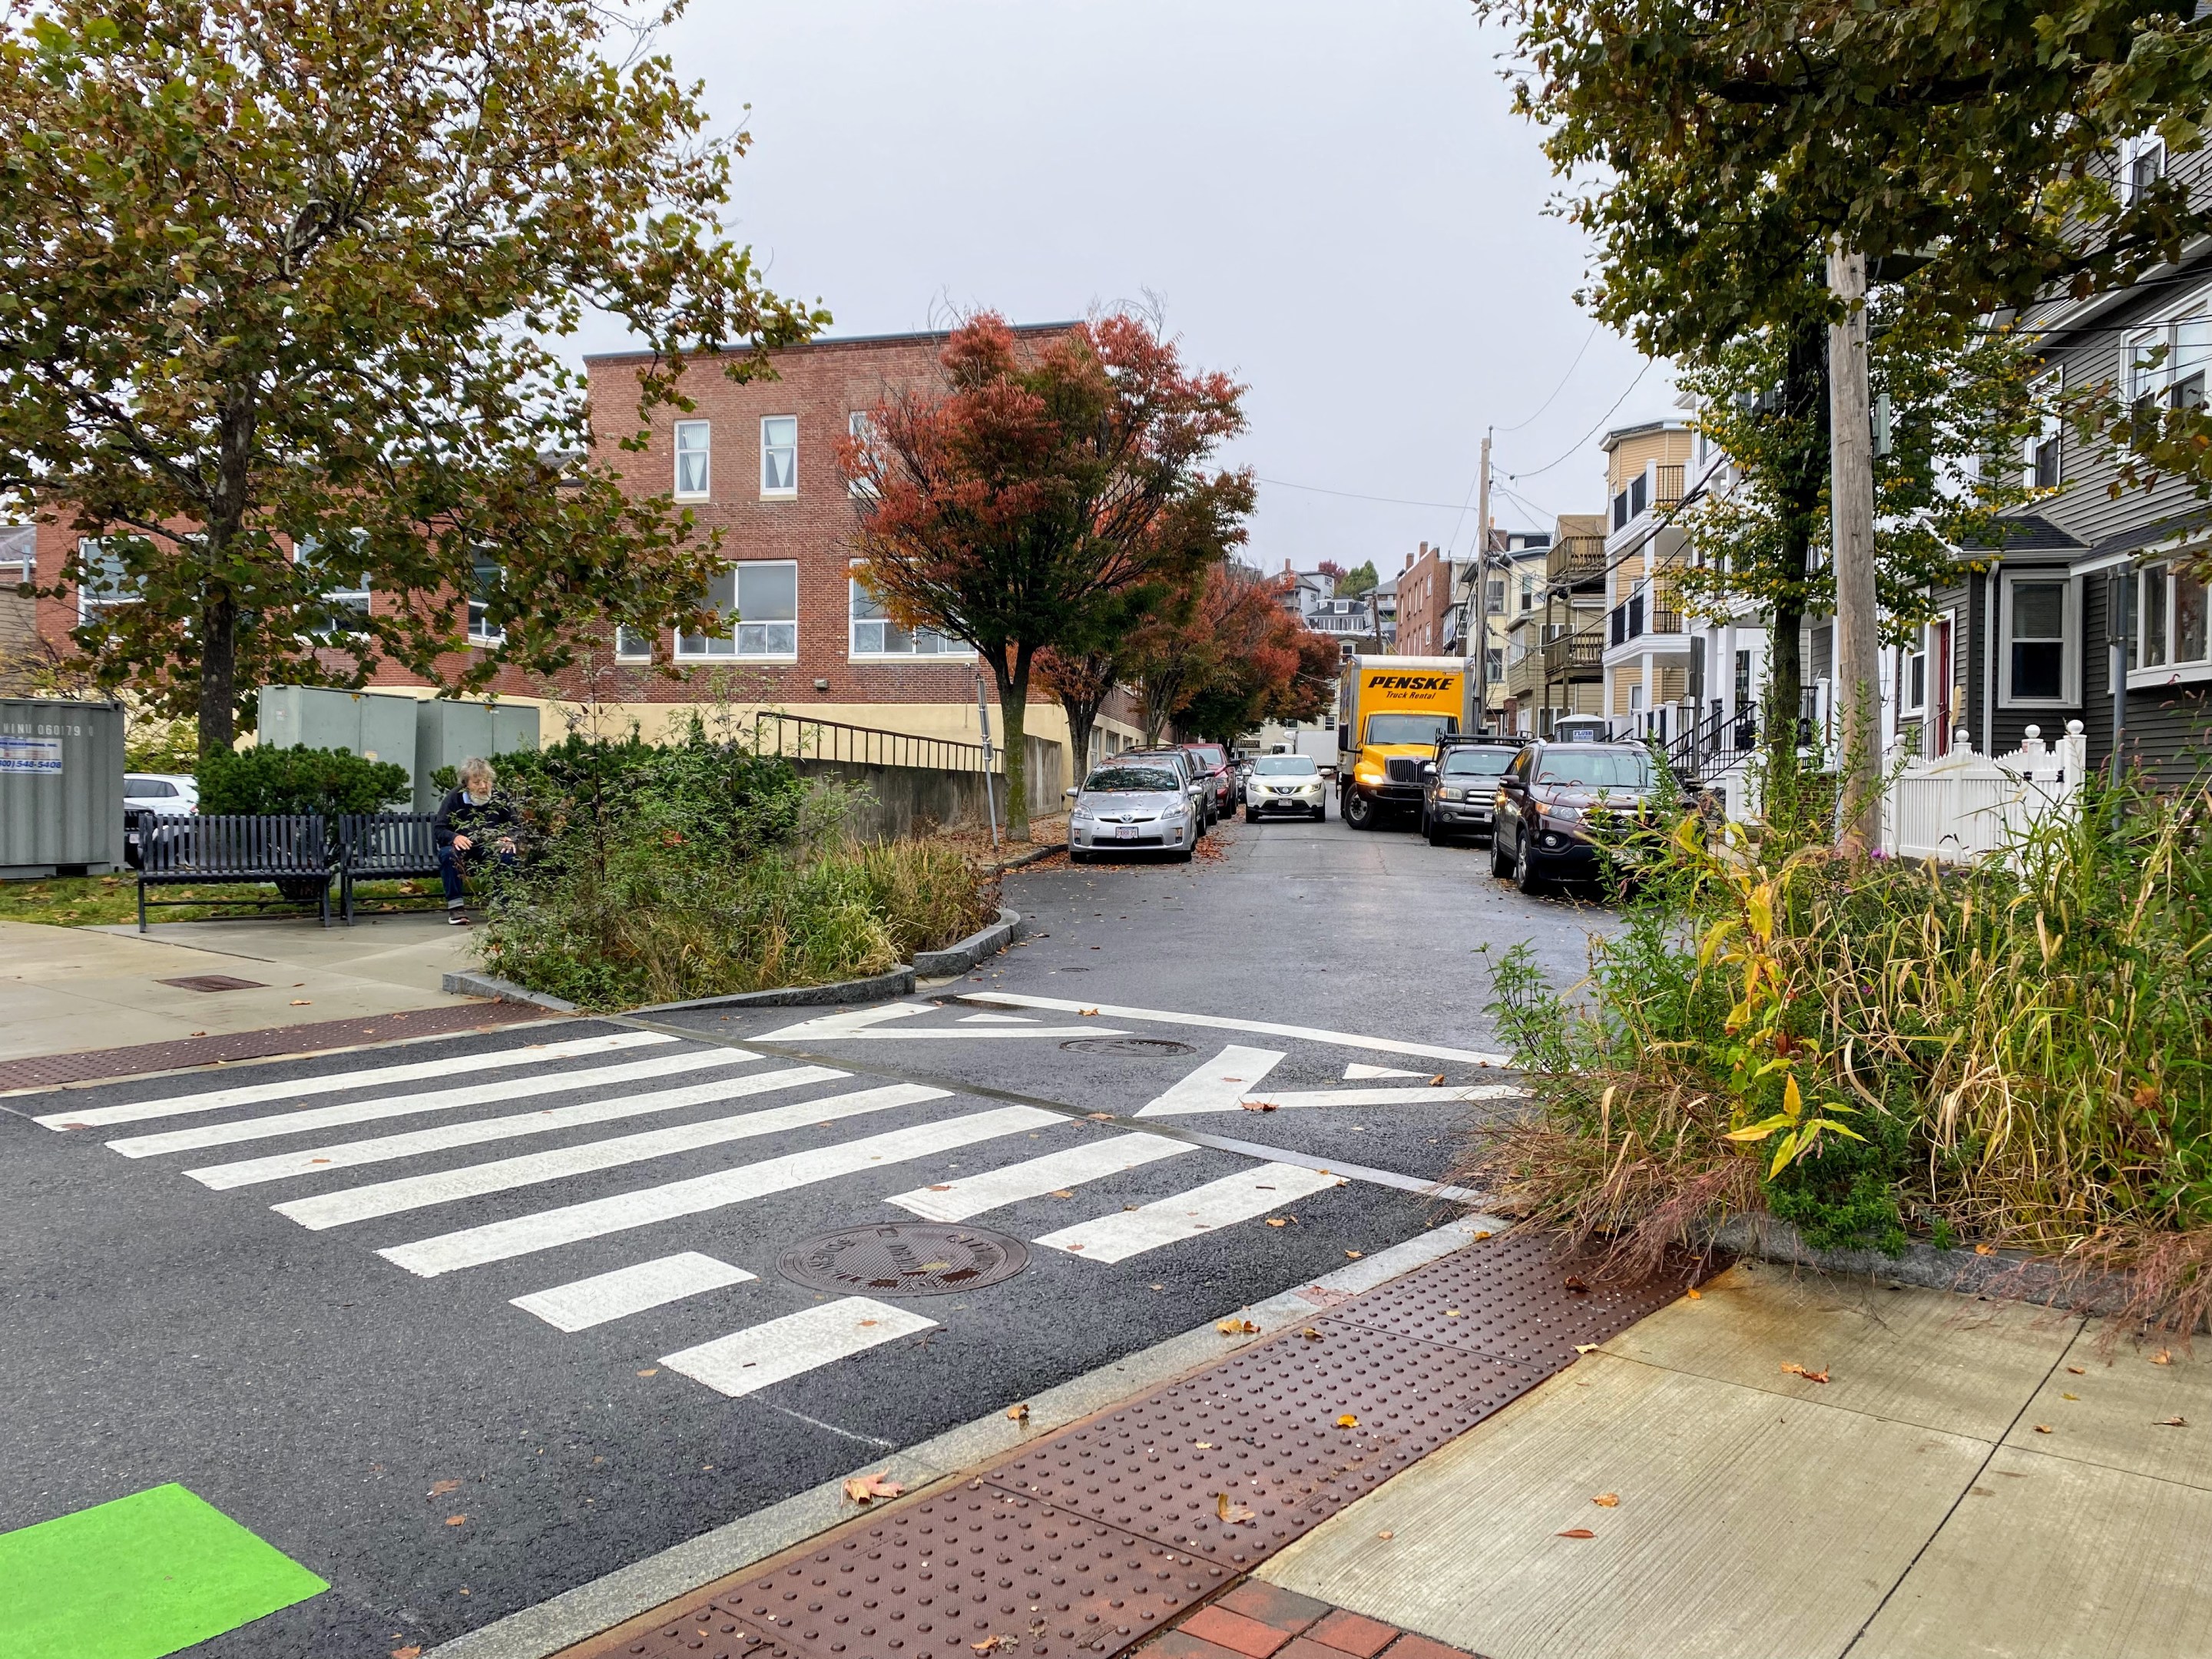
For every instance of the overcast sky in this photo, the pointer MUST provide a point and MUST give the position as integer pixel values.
(1334, 201)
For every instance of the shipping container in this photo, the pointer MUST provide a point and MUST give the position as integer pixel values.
(61, 787)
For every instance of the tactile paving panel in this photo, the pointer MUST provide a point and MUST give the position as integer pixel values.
(1518, 1300)
(1263, 1433)
(975, 1568)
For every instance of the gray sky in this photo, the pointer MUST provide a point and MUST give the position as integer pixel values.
(1334, 201)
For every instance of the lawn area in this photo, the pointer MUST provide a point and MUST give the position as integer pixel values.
(98, 900)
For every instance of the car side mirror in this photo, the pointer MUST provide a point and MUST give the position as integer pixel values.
(1069, 794)
(1428, 769)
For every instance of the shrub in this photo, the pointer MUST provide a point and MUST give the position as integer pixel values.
(326, 781)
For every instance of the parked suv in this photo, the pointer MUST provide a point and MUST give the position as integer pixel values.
(1458, 786)
(1553, 796)
(1212, 760)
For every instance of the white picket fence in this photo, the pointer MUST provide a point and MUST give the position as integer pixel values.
(1963, 806)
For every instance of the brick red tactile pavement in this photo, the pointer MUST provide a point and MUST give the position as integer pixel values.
(43, 1071)
(1132, 1523)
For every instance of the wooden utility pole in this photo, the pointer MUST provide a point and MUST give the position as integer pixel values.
(1857, 698)
(1481, 605)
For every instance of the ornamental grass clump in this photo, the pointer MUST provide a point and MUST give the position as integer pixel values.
(2018, 1053)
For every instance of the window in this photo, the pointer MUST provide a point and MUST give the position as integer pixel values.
(875, 634)
(1494, 597)
(1527, 591)
(1915, 675)
(779, 455)
(2043, 460)
(343, 594)
(760, 600)
(2166, 366)
(19, 556)
(863, 435)
(2172, 635)
(102, 580)
(2038, 633)
(2142, 164)
(632, 644)
(693, 457)
(485, 578)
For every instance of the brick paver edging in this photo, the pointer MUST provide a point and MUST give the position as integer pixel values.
(1089, 1541)
(45, 1070)
(1260, 1620)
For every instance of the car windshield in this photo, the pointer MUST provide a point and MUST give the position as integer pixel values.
(1477, 763)
(1211, 754)
(1286, 766)
(1409, 728)
(1593, 769)
(1130, 780)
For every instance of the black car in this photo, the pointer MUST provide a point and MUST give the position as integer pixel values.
(1460, 783)
(1553, 796)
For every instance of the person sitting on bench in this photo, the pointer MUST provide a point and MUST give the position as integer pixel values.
(473, 823)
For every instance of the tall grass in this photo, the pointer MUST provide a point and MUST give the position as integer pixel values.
(2019, 1053)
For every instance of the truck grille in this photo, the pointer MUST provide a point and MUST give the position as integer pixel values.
(1401, 770)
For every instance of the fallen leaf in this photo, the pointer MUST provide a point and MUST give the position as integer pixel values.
(1607, 1500)
(1585, 1348)
(1577, 1532)
(1985, 1250)
(655, 1371)
(1791, 1368)
(989, 1644)
(1236, 1327)
(1203, 1445)
(1454, 1313)
(455, 1520)
(2069, 1396)
(1310, 1335)
(1087, 1013)
(406, 1653)
(2042, 1428)
(2163, 1357)
(1438, 1081)
(1479, 1236)
(1099, 1117)
(1347, 1421)
(2176, 1422)
(1063, 1193)
(1258, 1105)
(1355, 1255)
(1276, 1221)
(2076, 1371)
(301, 1002)
(439, 1488)
(1386, 1536)
(1576, 1284)
(946, 1187)
(866, 1323)
(867, 1488)
(1019, 1413)
(1694, 1294)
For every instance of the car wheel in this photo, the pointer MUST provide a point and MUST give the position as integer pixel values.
(1499, 864)
(1321, 813)
(1077, 855)
(1524, 867)
(1251, 814)
(1359, 810)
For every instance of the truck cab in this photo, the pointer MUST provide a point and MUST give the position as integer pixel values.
(1391, 712)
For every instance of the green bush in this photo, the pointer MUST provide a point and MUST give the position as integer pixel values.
(325, 781)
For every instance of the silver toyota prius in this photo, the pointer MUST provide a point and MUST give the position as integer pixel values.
(1141, 805)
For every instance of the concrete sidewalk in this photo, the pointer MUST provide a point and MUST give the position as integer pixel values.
(68, 989)
(1972, 1478)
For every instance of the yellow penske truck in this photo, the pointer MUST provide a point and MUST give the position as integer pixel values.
(1389, 712)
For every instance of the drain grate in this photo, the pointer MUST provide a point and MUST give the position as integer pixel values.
(213, 982)
(904, 1259)
(1127, 1045)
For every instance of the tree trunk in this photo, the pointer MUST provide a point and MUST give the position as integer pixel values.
(1082, 715)
(1804, 396)
(218, 618)
(218, 641)
(1014, 712)
(1851, 516)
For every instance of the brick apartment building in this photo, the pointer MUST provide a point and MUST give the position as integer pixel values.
(757, 461)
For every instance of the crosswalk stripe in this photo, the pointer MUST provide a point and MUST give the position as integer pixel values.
(436, 1100)
(1258, 1027)
(996, 1020)
(1239, 1197)
(1357, 1070)
(584, 1303)
(545, 1229)
(376, 1077)
(743, 1361)
(1291, 1099)
(955, 1200)
(1218, 1084)
(908, 1034)
(844, 1024)
(350, 1204)
(348, 1154)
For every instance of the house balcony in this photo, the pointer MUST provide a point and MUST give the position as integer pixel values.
(1656, 487)
(1577, 656)
(1575, 562)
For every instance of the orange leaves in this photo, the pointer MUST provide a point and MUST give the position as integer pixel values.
(1234, 1514)
(1347, 1421)
(439, 1488)
(1236, 1327)
(1607, 1500)
(867, 1488)
(1575, 1532)
(2177, 1421)
(1258, 1106)
(1019, 1413)
(456, 1520)
(1791, 1368)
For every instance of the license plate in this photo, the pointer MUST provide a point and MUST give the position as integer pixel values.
(1125, 832)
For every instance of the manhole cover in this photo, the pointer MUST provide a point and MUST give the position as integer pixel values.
(1127, 1045)
(213, 982)
(905, 1260)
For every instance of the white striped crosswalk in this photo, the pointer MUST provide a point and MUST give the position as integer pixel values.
(627, 1290)
(747, 1360)
(955, 1200)
(1218, 1204)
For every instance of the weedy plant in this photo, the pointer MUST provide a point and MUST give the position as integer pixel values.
(2017, 1053)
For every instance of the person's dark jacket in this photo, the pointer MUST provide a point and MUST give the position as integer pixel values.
(459, 816)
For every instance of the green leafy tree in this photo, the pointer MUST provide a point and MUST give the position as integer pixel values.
(275, 285)
(1360, 579)
(1017, 506)
(262, 779)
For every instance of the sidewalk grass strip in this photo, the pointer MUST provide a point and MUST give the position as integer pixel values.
(137, 1578)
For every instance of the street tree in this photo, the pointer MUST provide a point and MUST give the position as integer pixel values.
(276, 285)
(1228, 656)
(1360, 579)
(1017, 506)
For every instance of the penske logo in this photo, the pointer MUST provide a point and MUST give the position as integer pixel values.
(1413, 682)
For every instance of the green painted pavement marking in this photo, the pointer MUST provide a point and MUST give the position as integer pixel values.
(137, 1578)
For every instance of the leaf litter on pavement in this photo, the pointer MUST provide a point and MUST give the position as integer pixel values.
(867, 1488)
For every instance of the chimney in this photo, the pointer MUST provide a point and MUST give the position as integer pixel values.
(1409, 557)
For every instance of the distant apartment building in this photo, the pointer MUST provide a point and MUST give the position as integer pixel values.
(1647, 641)
(1311, 597)
(1555, 645)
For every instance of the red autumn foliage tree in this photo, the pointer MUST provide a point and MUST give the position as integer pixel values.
(1228, 656)
(1020, 505)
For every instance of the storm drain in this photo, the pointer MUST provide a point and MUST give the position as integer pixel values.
(213, 982)
(1154, 1046)
(904, 1259)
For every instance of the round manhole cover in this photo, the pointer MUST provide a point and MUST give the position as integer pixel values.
(1127, 1045)
(904, 1259)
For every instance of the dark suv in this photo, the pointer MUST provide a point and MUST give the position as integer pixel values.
(1212, 762)
(1459, 785)
(1553, 796)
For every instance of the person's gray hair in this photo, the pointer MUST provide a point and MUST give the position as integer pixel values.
(476, 769)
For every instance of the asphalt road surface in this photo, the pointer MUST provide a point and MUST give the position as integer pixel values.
(463, 1323)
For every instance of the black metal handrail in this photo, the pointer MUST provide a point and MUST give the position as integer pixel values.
(806, 737)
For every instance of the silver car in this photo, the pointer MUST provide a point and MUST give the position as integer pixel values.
(1132, 806)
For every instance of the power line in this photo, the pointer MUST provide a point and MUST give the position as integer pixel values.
(1564, 378)
(1354, 495)
(1592, 433)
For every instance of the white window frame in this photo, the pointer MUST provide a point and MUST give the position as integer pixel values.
(2069, 676)
(2047, 388)
(632, 644)
(858, 428)
(353, 598)
(2170, 672)
(704, 432)
(949, 649)
(769, 492)
(22, 563)
(2157, 380)
(735, 634)
(2131, 149)
(482, 634)
(89, 605)
(1911, 655)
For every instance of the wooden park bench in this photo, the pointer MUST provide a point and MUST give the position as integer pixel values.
(292, 849)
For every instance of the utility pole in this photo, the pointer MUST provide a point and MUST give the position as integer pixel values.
(1858, 662)
(983, 726)
(1481, 607)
